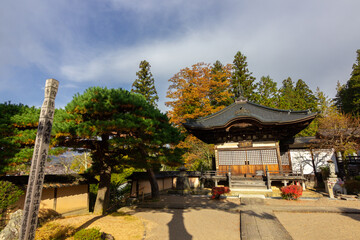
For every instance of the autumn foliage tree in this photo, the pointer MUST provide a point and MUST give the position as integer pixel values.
(340, 131)
(197, 92)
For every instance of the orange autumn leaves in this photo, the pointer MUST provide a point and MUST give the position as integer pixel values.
(198, 91)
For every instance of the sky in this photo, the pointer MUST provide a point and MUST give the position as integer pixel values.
(101, 42)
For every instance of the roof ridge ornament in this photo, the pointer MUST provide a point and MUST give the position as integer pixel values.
(239, 95)
(241, 99)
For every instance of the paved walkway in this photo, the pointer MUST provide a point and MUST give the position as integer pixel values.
(257, 222)
(195, 217)
(186, 224)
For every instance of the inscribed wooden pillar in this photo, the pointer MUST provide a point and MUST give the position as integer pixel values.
(36, 177)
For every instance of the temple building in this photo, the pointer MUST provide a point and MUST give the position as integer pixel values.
(250, 138)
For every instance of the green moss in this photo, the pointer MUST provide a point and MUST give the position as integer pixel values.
(88, 234)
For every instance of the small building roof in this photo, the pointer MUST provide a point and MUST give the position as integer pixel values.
(53, 181)
(248, 118)
(162, 174)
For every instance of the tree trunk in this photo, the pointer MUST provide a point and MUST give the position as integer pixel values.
(318, 178)
(103, 194)
(155, 194)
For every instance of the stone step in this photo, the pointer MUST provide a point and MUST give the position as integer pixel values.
(241, 177)
(248, 186)
(248, 182)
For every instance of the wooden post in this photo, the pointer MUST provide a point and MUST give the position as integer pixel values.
(289, 156)
(279, 158)
(268, 178)
(229, 179)
(36, 177)
(137, 188)
(302, 176)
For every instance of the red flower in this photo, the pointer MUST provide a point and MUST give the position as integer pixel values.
(291, 192)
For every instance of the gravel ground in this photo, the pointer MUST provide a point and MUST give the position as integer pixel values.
(120, 226)
(320, 226)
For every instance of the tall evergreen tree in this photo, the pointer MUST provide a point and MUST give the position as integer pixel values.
(242, 82)
(267, 92)
(144, 84)
(219, 86)
(287, 94)
(305, 97)
(348, 96)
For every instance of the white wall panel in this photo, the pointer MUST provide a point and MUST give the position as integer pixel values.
(303, 157)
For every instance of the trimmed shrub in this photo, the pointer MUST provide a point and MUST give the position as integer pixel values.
(352, 186)
(88, 234)
(325, 172)
(9, 195)
(291, 192)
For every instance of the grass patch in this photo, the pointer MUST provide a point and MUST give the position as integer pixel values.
(54, 231)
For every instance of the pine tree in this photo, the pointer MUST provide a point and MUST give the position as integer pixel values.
(348, 96)
(119, 128)
(144, 84)
(242, 82)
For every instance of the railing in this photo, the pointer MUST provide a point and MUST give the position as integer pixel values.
(350, 166)
(353, 159)
(285, 174)
(215, 173)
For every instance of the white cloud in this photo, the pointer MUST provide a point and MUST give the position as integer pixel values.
(315, 41)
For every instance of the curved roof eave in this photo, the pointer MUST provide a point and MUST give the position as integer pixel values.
(244, 110)
(227, 124)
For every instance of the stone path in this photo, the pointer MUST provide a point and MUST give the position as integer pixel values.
(259, 223)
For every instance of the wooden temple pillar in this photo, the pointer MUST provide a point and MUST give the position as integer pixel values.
(279, 158)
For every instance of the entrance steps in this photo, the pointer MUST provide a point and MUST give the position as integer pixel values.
(241, 183)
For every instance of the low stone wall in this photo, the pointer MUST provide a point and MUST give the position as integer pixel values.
(144, 187)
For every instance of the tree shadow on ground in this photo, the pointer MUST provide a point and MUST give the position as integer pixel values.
(351, 213)
(177, 205)
(262, 214)
(193, 202)
(177, 229)
(89, 222)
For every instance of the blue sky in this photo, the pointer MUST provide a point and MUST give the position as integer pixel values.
(101, 42)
